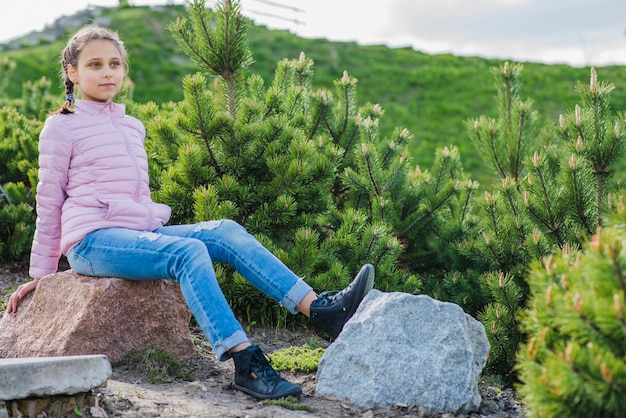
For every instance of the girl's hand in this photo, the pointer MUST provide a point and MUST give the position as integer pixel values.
(19, 294)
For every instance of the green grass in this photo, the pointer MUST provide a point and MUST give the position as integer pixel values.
(297, 359)
(430, 95)
(158, 364)
(290, 403)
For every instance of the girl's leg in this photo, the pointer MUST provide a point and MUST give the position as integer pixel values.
(136, 255)
(230, 243)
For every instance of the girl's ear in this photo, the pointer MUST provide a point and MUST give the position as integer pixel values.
(71, 73)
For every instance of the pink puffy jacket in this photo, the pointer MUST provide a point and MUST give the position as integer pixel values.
(93, 173)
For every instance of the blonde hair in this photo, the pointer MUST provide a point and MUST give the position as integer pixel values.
(72, 50)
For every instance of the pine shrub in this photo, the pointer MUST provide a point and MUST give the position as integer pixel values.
(574, 363)
(306, 171)
(18, 178)
(553, 191)
(17, 226)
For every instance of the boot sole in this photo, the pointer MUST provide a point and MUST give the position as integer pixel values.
(368, 285)
(295, 393)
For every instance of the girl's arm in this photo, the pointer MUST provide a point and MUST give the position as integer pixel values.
(55, 151)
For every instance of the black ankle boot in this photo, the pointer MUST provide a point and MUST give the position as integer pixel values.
(331, 310)
(255, 376)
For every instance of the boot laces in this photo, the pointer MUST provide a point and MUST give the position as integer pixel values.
(329, 297)
(260, 365)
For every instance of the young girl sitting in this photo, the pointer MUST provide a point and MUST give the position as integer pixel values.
(94, 206)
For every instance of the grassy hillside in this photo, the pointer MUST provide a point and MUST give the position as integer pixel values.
(431, 95)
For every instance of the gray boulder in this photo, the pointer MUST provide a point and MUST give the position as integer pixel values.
(402, 349)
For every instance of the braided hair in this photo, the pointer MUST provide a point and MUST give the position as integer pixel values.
(73, 49)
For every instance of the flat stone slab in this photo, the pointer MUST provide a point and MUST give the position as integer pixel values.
(45, 376)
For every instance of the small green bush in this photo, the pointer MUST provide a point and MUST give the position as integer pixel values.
(157, 363)
(297, 359)
(574, 363)
(290, 403)
(17, 226)
(555, 189)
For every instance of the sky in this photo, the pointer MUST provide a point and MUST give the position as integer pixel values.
(573, 32)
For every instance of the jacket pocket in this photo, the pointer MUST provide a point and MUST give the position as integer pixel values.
(125, 210)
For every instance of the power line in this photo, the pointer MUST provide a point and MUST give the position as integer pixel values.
(281, 5)
(272, 15)
(280, 15)
(275, 16)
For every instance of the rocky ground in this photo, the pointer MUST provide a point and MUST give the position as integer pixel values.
(208, 391)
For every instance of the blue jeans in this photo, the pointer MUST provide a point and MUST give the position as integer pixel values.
(186, 253)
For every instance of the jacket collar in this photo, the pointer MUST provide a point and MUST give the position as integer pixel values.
(98, 108)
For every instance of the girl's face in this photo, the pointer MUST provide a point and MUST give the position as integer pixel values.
(100, 71)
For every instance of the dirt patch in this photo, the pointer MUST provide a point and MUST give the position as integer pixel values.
(209, 392)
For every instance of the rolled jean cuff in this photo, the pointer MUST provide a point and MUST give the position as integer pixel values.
(295, 295)
(222, 347)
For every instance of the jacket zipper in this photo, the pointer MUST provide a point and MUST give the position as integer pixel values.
(130, 154)
(133, 158)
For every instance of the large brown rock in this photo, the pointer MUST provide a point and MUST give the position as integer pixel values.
(70, 314)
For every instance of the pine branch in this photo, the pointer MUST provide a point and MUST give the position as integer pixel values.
(578, 196)
(429, 211)
(319, 114)
(367, 158)
(502, 286)
(518, 150)
(617, 267)
(346, 82)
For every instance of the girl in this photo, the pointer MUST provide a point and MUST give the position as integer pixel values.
(94, 206)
